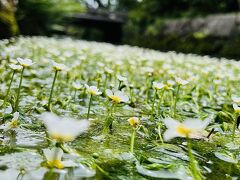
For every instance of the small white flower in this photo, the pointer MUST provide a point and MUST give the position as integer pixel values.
(59, 67)
(158, 86)
(77, 85)
(236, 108)
(63, 129)
(121, 78)
(15, 67)
(191, 128)
(170, 82)
(180, 81)
(117, 96)
(93, 90)
(54, 158)
(14, 122)
(25, 62)
(236, 99)
(109, 71)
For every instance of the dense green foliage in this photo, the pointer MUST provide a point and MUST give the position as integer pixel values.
(161, 88)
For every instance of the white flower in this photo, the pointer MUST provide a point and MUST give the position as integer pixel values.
(14, 122)
(236, 108)
(93, 90)
(180, 81)
(158, 85)
(54, 158)
(63, 129)
(121, 78)
(191, 128)
(25, 62)
(77, 85)
(170, 82)
(58, 67)
(109, 71)
(236, 99)
(117, 96)
(15, 67)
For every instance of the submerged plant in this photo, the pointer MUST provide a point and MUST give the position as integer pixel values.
(24, 63)
(15, 68)
(134, 122)
(93, 91)
(56, 68)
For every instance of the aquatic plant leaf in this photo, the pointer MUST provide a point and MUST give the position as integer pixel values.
(226, 156)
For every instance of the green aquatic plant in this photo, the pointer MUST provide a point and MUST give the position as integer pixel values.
(93, 91)
(190, 128)
(235, 116)
(56, 68)
(116, 97)
(134, 122)
(180, 82)
(15, 68)
(24, 63)
(133, 75)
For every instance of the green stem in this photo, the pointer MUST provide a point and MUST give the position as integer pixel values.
(175, 102)
(51, 93)
(119, 85)
(153, 103)
(89, 106)
(74, 96)
(160, 101)
(132, 140)
(234, 127)
(61, 145)
(159, 133)
(108, 122)
(9, 88)
(19, 90)
(105, 83)
(193, 163)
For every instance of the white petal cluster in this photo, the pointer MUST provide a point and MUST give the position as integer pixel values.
(77, 85)
(158, 85)
(59, 67)
(25, 62)
(92, 90)
(63, 129)
(15, 67)
(117, 96)
(191, 128)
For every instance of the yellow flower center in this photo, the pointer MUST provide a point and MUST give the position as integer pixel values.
(13, 124)
(92, 92)
(55, 163)
(62, 138)
(183, 130)
(134, 122)
(115, 99)
(237, 110)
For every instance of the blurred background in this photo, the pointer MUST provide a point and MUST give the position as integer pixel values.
(206, 27)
